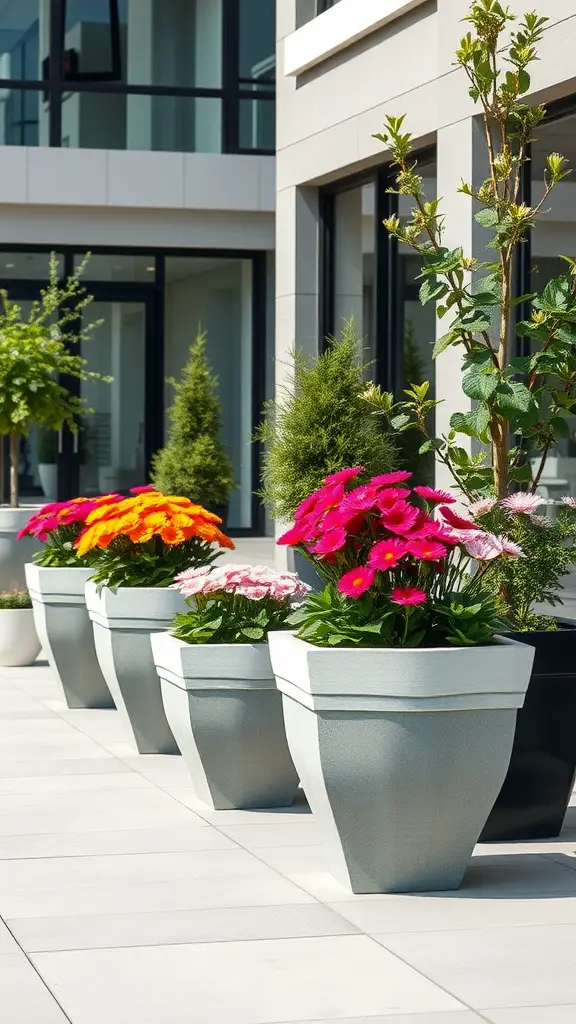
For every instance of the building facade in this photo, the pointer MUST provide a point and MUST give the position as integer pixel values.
(142, 131)
(342, 66)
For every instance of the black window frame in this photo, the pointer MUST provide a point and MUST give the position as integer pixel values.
(58, 80)
(387, 315)
(153, 294)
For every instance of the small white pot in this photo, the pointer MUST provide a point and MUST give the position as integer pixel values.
(66, 633)
(123, 622)
(19, 643)
(48, 473)
(224, 709)
(401, 752)
(15, 553)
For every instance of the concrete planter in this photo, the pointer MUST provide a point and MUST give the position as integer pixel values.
(48, 473)
(19, 643)
(15, 553)
(224, 709)
(66, 634)
(401, 753)
(122, 624)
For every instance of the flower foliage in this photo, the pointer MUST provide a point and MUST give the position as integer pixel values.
(58, 525)
(145, 540)
(15, 600)
(397, 563)
(236, 604)
(550, 548)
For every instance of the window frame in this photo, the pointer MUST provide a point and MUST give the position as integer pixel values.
(56, 84)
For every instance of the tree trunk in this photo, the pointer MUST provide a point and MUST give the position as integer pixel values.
(14, 465)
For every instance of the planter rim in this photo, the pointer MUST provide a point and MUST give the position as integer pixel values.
(155, 607)
(212, 666)
(402, 679)
(57, 585)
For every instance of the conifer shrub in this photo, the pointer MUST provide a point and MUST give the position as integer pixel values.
(194, 462)
(320, 424)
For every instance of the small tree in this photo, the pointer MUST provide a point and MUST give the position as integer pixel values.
(528, 396)
(319, 425)
(36, 354)
(194, 462)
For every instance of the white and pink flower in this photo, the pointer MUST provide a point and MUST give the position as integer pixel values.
(255, 582)
(523, 503)
(481, 507)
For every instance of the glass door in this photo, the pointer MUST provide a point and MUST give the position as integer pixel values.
(116, 438)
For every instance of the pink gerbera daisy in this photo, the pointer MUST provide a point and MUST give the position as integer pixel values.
(408, 596)
(344, 475)
(457, 521)
(398, 477)
(307, 506)
(389, 495)
(510, 548)
(387, 553)
(484, 547)
(333, 540)
(304, 531)
(522, 502)
(357, 581)
(400, 518)
(428, 550)
(361, 499)
(481, 507)
(435, 497)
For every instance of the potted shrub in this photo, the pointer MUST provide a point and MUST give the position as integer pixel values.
(19, 644)
(318, 425)
(523, 391)
(56, 581)
(36, 354)
(194, 462)
(218, 687)
(47, 465)
(142, 543)
(400, 700)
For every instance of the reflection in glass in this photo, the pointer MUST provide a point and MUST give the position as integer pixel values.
(112, 455)
(28, 265)
(258, 124)
(169, 42)
(118, 267)
(217, 294)
(172, 124)
(19, 117)
(20, 32)
(354, 264)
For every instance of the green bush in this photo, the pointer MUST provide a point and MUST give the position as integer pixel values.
(319, 425)
(15, 599)
(194, 462)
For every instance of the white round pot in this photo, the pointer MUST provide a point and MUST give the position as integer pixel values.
(19, 643)
(223, 707)
(15, 553)
(48, 473)
(122, 625)
(401, 753)
(66, 634)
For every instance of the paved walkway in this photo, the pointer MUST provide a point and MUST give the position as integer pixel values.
(127, 902)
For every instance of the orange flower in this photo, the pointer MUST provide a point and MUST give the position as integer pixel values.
(172, 535)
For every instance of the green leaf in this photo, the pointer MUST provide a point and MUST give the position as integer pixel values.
(560, 426)
(253, 632)
(479, 385)
(443, 343)
(521, 364)
(434, 444)
(432, 289)
(514, 397)
(521, 474)
(487, 218)
(397, 422)
(473, 423)
(523, 81)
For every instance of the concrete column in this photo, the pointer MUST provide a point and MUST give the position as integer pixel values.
(461, 155)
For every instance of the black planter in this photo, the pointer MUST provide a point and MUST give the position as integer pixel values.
(222, 511)
(307, 573)
(534, 798)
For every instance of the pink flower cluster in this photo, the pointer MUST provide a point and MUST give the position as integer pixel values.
(255, 582)
(64, 513)
(383, 526)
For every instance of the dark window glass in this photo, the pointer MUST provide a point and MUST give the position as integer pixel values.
(19, 40)
(19, 117)
(258, 124)
(257, 40)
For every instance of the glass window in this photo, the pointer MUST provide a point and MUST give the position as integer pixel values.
(173, 124)
(173, 42)
(555, 233)
(118, 267)
(354, 263)
(258, 124)
(257, 40)
(26, 266)
(217, 294)
(20, 33)
(21, 116)
(91, 35)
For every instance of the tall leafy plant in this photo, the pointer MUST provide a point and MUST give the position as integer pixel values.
(194, 462)
(528, 396)
(36, 353)
(319, 425)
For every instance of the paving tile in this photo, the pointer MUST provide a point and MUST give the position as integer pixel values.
(496, 967)
(74, 747)
(90, 811)
(197, 836)
(7, 942)
(24, 998)
(191, 891)
(297, 861)
(276, 816)
(82, 766)
(262, 982)
(73, 784)
(446, 1017)
(532, 1015)
(301, 830)
(98, 931)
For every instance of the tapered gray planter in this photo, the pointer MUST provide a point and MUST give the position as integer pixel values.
(15, 553)
(65, 632)
(401, 753)
(224, 709)
(122, 625)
